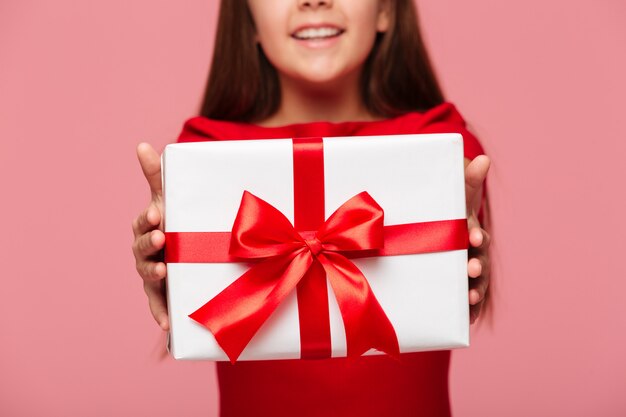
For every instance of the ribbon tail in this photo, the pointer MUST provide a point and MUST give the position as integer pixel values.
(366, 324)
(236, 314)
(313, 314)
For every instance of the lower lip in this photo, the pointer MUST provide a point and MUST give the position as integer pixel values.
(318, 43)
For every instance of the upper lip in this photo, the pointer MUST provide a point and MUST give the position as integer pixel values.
(316, 25)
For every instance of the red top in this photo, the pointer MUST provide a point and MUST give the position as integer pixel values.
(365, 386)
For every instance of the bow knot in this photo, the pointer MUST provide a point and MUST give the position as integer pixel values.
(315, 246)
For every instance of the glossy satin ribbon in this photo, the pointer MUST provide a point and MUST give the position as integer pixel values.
(304, 256)
(309, 214)
(400, 239)
(261, 232)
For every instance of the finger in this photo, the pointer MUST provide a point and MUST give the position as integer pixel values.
(472, 220)
(474, 297)
(475, 174)
(479, 238)
(478, 288)
(151, 270)
(149, 219)
(151, 166)
(148, 244)
(475, 312)
(158, 303)
(475, 267)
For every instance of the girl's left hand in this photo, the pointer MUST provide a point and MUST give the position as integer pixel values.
(478, 266)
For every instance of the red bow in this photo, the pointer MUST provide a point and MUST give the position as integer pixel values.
(262, 232)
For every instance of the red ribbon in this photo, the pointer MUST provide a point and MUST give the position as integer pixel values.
(400, 239)
(263, 233)
(309, 214)
(294, 257)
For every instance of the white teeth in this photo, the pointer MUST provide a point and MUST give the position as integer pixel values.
(313, 33)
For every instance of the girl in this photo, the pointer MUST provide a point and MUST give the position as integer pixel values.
(294, 68)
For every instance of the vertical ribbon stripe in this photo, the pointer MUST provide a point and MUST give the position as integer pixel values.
(312, 292)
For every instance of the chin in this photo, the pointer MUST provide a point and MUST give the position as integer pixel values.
(321, 79)
(321, 75)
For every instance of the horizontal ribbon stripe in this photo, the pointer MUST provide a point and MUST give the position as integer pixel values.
(198, 247)
(400, 239)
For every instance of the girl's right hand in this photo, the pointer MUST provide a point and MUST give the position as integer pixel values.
(149, 237)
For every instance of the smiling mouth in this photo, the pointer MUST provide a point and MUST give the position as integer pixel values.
(320, 33)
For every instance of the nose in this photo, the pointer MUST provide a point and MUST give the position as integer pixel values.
(314, 4)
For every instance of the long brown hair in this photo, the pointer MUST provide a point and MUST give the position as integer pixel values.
(243, 85)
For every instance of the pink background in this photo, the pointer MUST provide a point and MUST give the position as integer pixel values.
(81, 83)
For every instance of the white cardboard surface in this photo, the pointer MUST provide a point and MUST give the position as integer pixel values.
(413, 177)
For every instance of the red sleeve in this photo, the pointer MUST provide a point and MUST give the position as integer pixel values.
(446, 118)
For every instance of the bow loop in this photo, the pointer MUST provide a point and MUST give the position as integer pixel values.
(261, 231)
(356, 225)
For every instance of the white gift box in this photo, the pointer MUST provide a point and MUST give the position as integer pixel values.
(414, 178)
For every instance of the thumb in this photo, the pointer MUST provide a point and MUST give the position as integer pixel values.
(475, 175)
(150, 162)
